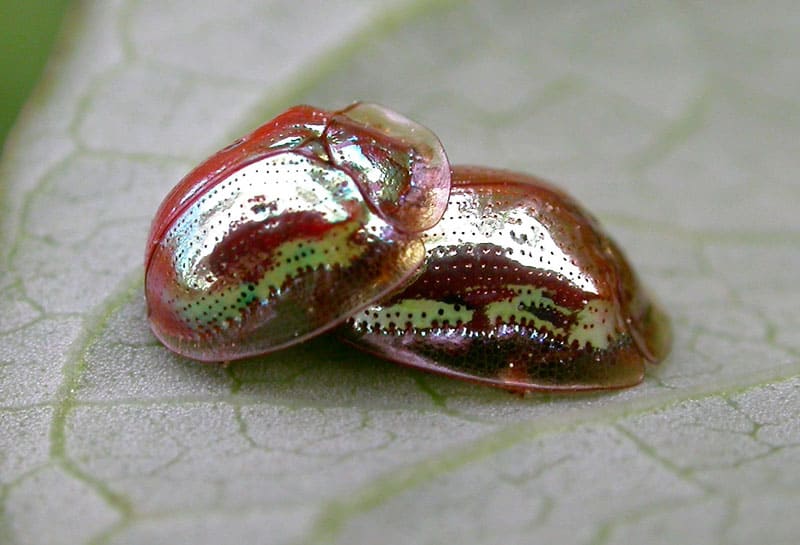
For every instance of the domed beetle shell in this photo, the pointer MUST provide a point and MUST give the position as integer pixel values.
(291, 229)
(521, 290)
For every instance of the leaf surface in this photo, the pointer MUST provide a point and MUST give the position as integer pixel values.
(677, 124)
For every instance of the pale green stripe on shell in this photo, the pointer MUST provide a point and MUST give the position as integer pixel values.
(295, 256)
(421, 313)
(595, 324)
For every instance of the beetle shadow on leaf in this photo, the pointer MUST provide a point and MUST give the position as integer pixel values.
(125, 361)
(327, 371)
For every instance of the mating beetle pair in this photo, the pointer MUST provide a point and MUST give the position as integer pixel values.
(355, 220)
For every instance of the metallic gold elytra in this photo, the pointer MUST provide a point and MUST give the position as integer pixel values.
(297, 256)
(289, 230)
(418, 313)
(521, 290)
(324, 218)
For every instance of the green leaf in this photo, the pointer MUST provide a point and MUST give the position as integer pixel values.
(27, 32)
(676, 123)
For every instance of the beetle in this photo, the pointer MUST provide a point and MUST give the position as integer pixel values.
(291, 229)
(354, 218)
(521, 289)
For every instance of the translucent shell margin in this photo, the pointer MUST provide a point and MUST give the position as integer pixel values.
(291, 229)
(522, 290)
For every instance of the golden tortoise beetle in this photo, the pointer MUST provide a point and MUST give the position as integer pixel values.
(317, 218)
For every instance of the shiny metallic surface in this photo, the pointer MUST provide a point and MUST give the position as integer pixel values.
(521, 290)
(379, 147)
(272, 241)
